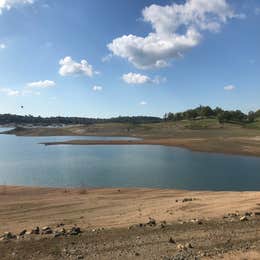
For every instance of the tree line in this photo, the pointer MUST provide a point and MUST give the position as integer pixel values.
(223, 116)
(190, 114)
(29, 119)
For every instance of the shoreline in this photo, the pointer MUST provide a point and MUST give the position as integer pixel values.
(192, 144)
(22, 206)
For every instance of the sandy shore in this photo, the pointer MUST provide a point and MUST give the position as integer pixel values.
(24, 207)
(116, 210)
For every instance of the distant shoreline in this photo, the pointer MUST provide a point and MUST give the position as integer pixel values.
(190, 144)
(204, 136)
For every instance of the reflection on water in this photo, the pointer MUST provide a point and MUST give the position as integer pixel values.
(23, 161)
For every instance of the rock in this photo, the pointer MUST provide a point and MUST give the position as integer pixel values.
(46, 230)
(257, 214)
(244, 218)
(187, 199)
(7, 236)
(59, 232)
(75, 231)
(182, 247)
(196, 221)
(248, 214)
(22, 233)
(80, 257)
(151, 222)
(188, 245)
(171, 240)
(35, 231)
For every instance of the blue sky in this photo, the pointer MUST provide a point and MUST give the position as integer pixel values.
(108, 58)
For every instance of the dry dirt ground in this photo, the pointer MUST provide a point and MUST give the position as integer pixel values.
(200, 224)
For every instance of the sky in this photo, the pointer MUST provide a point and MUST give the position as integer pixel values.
(131, 57)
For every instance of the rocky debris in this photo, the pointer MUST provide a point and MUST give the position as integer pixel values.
(34, 231)
(244, 218)
(74, 231)
(185, 247)
(188, 199)
(46, 230)
(163, 224)
(196, 221)
(7, 236)
(22, 233)
(236, 215)
(59, 232)
(151, 222)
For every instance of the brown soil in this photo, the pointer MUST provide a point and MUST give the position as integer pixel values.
(116, 210)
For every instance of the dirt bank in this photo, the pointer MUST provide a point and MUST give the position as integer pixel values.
(116, 210)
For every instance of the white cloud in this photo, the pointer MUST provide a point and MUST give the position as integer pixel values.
(143, 103)
(9, 4)
(177, 28)
(229, 87)
(107, 57)
(41, 84)
(137, 78)
(70, 67)
(2, 45)
(10, 92)
(97, 88)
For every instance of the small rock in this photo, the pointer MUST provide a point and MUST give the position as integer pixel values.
(244, 218)
(188, 245)
(22, 233)
(151, 222)
(187, 199)
(46, 230)
(35, 231)
(75, 231)
(7, 236)
(171, 240)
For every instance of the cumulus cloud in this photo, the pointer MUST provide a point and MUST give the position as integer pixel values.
(97, 88)
(229, 87)
(2, 46)
(70, 67)
(176, 29)
(143, 103)
(10, 92)
(41, 84)
(9, 4)
(137, 78)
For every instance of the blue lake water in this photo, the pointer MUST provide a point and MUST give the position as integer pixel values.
(23, 161)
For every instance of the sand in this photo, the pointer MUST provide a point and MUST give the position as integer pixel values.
(24, 207)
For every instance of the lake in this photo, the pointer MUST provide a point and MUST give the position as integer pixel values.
(23, 161)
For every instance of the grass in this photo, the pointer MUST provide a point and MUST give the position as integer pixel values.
(254, 125)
